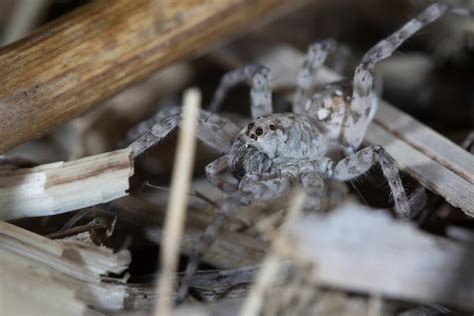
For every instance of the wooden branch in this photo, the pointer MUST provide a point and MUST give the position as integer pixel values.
(64, 186)
(432, 159)
(380, 255)
(87, 56)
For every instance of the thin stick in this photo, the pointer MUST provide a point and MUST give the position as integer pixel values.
(180, 185)
(272, 263)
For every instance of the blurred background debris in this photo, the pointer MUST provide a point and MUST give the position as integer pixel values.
(352, 260)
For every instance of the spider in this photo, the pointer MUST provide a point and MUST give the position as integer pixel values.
(277, 151)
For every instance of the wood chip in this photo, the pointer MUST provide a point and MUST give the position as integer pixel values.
(64, 186)
(361, 250)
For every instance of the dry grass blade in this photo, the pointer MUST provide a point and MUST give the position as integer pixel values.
(64, 186)
(180, 185)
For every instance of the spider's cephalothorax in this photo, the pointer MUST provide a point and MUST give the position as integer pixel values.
(276, 151)
(270, 141)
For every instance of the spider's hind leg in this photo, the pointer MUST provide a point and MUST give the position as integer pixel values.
(261, 95)
(312, 62)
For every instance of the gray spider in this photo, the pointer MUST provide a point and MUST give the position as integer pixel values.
(275, 152)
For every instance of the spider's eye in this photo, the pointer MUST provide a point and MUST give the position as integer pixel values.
(259, 131)
(250, 126)
(272, 127)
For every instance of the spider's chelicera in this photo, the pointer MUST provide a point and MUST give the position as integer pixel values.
(276, 151)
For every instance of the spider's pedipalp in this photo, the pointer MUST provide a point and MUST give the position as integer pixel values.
(313, 184)
(214, 173)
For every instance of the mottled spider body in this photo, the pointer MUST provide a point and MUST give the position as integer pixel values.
(276, 152)
(271, 141)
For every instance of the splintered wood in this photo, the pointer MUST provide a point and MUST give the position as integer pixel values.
(64, 186)
(74, 268)
(19, 294)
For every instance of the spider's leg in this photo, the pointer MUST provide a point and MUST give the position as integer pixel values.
(313, 60)
(261, 94)
(364, 98)
(144, 126)
(215, 131)
(267, 189)
(468, 143)
(341, 58)
(386, 47)
(359, 163)
(214, 175)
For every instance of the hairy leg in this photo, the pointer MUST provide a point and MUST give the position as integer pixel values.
(215, 131)
(359, 163)
(364, 98)
(313, 60)
(250, 190)
(260, 92)
(144, 126)
(468, 143)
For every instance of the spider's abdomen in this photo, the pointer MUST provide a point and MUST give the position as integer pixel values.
(328, 106)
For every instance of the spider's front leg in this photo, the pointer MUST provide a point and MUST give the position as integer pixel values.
(364, 98)
(213, 130)
(359, 163)
(260, 91)
(251, 189)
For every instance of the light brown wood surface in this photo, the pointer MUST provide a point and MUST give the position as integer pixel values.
(73, 63)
